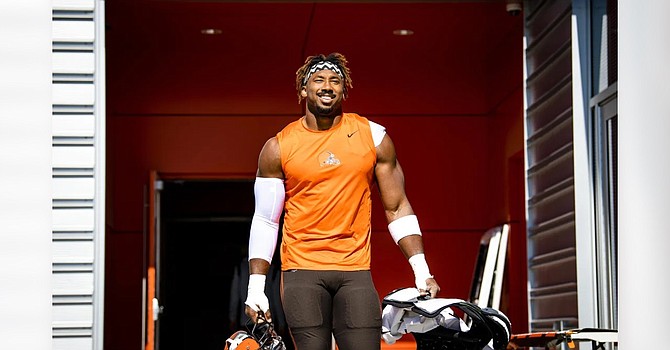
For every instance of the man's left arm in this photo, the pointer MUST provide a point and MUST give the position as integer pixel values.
(403, 224)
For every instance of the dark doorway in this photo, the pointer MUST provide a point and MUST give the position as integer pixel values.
(204, 236)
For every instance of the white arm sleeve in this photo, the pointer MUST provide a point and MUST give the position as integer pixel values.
(269, 193)
(378, 132)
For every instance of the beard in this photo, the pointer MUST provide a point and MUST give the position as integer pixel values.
(325, 111)
(320, 110)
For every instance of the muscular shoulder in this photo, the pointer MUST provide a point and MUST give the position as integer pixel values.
(386, 150)
(269, 161)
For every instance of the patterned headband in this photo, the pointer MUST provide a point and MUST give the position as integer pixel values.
(321, 66)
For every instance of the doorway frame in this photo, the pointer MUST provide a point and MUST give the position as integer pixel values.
(150, 279)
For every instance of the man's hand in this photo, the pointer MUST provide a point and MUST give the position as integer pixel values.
(253, 314)
(423, 280)
(431, 288)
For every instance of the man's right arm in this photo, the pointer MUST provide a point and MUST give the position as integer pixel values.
(269, 194)
(269, 169)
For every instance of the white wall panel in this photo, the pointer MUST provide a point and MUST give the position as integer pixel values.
(78, 161)
(73, 156)
(25, 172)
(73, 31)
(77, 315)
(73, 62)
(73, 283)
(73, 188)
(73, 125)
(75, 343)
(644, 165)
(73, 5)
(73, 219)
(73, 94)
(65, 252)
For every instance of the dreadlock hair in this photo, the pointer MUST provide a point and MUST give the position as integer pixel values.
(336, 58)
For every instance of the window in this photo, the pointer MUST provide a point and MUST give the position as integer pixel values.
(604, 156)
(604, 113)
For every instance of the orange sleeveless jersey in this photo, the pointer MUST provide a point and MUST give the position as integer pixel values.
(328, 183)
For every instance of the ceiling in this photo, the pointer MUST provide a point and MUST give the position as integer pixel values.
(160, 63)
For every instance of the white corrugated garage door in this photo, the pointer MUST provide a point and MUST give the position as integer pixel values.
(78, 174)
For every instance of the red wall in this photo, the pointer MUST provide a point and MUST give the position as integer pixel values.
(464, 174)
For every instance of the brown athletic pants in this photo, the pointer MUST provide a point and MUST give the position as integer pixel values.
(342, 303)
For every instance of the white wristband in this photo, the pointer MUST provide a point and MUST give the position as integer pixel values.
(256, 298)
(256, 283)
(421, 271)
(403, 227)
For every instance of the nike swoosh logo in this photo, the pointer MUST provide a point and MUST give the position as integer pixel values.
(352, 134)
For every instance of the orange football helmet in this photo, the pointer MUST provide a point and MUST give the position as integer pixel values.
(261, 337)
(241, 340)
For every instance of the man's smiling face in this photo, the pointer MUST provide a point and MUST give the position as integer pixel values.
(324, 93)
